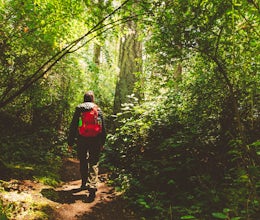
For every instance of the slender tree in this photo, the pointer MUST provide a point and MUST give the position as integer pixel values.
(130, 57)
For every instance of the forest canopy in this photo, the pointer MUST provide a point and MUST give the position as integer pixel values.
(179, 85)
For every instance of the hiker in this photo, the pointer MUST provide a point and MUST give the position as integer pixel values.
(88, 131)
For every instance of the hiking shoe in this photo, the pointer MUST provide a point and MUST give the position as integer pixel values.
(92, 191)
(92, 194)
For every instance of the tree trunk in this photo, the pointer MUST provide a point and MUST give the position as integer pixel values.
(97, 53)
(130, 56)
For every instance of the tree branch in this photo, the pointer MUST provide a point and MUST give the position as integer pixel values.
(114, 24)
(57, 57)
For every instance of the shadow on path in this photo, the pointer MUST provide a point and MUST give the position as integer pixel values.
(66, 196)
(116, 209)
(72, 203)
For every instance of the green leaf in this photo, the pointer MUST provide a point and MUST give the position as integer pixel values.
(256, 144)
(188, 217)
(171, 182)
(226, 210)
(219, 215)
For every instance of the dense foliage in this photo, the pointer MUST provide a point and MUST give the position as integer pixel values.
(38, 89)
(191, 151)
(187, 146)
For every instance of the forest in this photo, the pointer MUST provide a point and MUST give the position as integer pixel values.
(179, 86)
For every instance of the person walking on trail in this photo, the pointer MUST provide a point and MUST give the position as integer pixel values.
(87, 130)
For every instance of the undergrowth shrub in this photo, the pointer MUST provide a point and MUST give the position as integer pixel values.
(34, 154)
(174, 163)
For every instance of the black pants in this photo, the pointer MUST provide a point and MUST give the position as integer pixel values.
(88, 153)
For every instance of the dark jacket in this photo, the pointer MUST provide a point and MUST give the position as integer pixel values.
(73, 131)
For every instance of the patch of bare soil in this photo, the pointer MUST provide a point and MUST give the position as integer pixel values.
(68, 202)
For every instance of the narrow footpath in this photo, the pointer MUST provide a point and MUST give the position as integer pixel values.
(66, 202)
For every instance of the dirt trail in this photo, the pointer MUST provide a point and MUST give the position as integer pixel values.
(71, 203)
(67, 202)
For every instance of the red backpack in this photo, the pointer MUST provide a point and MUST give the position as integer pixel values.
(90, 124)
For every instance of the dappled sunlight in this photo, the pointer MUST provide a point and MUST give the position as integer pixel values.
(175, 124)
